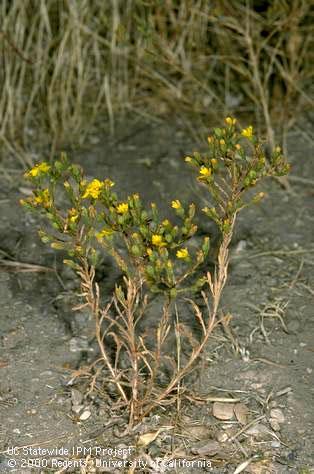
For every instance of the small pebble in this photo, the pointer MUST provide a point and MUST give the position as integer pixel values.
(85, 415)
(277, 415)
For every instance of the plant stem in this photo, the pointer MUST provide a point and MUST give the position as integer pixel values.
(216, 286)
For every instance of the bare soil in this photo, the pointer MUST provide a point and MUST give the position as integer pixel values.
(263, 358)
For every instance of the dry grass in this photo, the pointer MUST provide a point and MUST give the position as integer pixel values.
(267, 52)
(69, 66)
(136, 365)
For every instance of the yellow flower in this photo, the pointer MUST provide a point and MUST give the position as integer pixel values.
(103, 233)
(222, 142)
(277, 149)
(230, 121)
(165, 223)
(157, 241)
(214, 162)
(38, 169)
(238, 146)
(209, 139)
(247, 132)
(93, 189)
(122, 208)
(73, 215)
(149, 251)
(204, 171)
(43, 198)
(183, 253)
(188, 159)
(176, 204)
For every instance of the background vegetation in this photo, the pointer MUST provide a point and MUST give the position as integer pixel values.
(69, 66)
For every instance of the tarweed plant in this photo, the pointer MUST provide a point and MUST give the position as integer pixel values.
(88, 218)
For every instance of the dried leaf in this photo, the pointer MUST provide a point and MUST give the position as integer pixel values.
(147, 438)
(241, 412)
(223, 411)
(243, 465)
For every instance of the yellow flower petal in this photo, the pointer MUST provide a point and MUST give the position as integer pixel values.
(122, 208)
(230, 121)
(73, 215)
(40, 168)
(247, 132)
(176, 204)
(182, 253)
(93, 189)
(157, 240)
(204, 171)
(43, 198)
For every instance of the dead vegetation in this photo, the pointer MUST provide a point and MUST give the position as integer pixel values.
(67, 67)
(136, 368)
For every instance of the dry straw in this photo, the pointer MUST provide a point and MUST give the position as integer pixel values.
(70, 66)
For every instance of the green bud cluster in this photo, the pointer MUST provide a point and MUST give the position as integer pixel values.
(234, 163)
(155, 250)
(95, 219)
